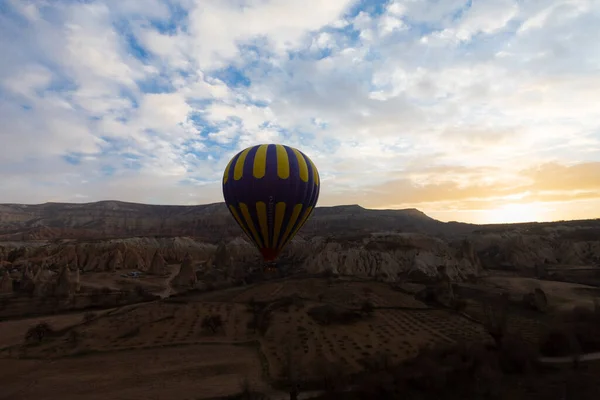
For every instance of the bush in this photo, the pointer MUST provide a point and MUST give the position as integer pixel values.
(212, 323)
(105, 291)
(557, 343)
(327, 273)
(517, 356)
(469, 371)
(74, 337)
(367, 308)
(459, 305)
(130, 333)
(38, 333)
(536, 300)
(496, 319)
(142, 293)
(284, 303)
(88, 316)
(575, 331)
(261, 320)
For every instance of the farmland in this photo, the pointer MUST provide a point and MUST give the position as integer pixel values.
(307, 325)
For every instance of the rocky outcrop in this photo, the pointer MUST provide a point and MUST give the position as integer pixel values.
(390, 257)
(157, 265)
(64, 286)
(76, 281)
(111, 255)
(187, 274)
(6, 283)
(114, 219)
(235, 258)
(41, 283)
(523, 251)
(386, 255)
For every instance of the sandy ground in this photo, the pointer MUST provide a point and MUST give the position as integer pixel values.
(562, 295)
(191, 372)
(114, 280)
(13, 331)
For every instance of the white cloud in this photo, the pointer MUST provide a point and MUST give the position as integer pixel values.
(444, 93)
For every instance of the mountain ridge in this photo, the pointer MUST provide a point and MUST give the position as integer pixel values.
(212, 222)
(113, 218)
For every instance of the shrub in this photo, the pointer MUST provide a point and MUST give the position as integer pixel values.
(459, 305)
(517, 356)
(212, 323)
(88, 316)
(367, 308)
(105, 291)
(495, 319)
(38, 333)
(130, 333)
(469, 370)
(74, 337)
(575, 331)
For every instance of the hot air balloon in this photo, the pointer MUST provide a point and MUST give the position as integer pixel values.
(270, 190)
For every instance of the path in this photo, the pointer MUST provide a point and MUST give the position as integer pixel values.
(168, 288)
(569, 359)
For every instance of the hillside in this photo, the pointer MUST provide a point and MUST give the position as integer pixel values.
(113, 236)
(112, 219)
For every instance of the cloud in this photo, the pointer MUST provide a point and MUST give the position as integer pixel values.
(456, 107)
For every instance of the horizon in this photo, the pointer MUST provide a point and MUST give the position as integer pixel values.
(477, 112)
(318, 206)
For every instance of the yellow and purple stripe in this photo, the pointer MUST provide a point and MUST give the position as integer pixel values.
(271, 190)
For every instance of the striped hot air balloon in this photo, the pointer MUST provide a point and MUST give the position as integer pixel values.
(271, 190)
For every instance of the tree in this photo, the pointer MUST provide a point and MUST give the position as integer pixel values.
(88, 316)
(38, 333)
(74, 338)
(212, 323)
(495, 319)
(367, 307)
(291, 372)
(459, 305)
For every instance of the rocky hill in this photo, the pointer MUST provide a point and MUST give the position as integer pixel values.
(349, 240)
(211, 222)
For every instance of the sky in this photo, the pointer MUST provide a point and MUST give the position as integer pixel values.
(480, 111)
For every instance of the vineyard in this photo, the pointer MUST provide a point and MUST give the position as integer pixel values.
(397, 326)
(307, 325)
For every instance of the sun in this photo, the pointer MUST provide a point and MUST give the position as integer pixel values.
(514, 212)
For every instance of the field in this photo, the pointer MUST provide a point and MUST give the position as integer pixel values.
(562, 295)
(192, 372)
(398, 326)
(165, 350)
(115, 281)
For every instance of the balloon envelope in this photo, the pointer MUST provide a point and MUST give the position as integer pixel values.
(271, 190)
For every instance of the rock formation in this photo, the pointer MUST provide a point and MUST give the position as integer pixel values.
(187, 275)
(389, 256)
(76, 281)
(26, 283)
(158, 265)
(116, 262)
(114, 219)
(41, 284)
(519, 250)
(116, 254)
(350, 240)
(6, 283)
(64, 287)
